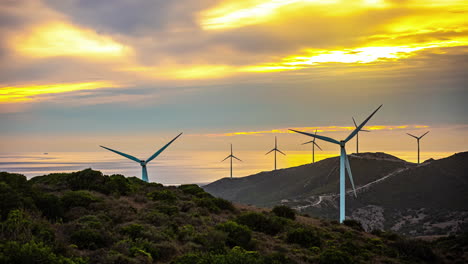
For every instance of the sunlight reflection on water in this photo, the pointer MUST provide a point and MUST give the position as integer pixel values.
(171, 168)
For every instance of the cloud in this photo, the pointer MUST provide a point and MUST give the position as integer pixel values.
(319, 129)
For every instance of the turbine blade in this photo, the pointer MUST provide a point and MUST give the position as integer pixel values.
(361, 125)
(308, 142)
(412, 135)
(318, 146)
(226, 158)
(162, 149)
(423, 135)
(331, 140)
(123, 154)
(354, 121)
(236, 158)
(269, 151)
(280, 152)
(348, 168)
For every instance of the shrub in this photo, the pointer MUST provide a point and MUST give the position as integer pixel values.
(208, 203)
(235, 256)
(87, 180)
(168, 209)
(304, 237)
(119, 184)
(223, 204)
(50, 205)
(132, 230)
(88, 239)
(10, 200)
(163, 195)
(333, 256)
(284, 211)
(32, 252)
(354, 224)
(78, 198)
(261, 223)
(192, 189)
(212, 241)
(414, 249)
(238, 235)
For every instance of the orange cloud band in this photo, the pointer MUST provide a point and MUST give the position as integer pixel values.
(312, 129)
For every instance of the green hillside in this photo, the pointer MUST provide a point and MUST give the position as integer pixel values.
(86, 217)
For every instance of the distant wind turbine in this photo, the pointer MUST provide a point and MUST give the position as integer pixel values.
(344, 162)
(418, 138)
(357, 136)
(231, 156)
(313, 147)
(275, 150)
(144, 173)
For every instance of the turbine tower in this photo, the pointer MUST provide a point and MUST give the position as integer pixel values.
(357, 136)
(144, 173)
(313, 146)
(275, 150)
(344, 162)
(231, 156)
(417, 139)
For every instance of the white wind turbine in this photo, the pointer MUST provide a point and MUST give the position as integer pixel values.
(144, 172)
(344, 162)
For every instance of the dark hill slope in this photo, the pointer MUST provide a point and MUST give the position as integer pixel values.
(86, 217)
(440, 184)
(270, 188)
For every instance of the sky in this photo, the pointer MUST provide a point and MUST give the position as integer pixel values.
(132, 74)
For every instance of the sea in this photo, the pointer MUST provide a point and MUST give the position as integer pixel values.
(183, 167)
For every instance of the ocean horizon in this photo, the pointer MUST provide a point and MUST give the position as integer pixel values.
(178, 168)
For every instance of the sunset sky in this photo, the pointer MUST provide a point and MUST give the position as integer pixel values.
(132, 74)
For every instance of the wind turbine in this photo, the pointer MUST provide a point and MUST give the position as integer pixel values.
(357, 136)
(344, 162)
(275, 150)
(144, 173)
(231, 156)
(313, 147)
(418, 138)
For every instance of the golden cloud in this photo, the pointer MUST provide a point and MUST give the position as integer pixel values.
(12, 94)
(313, 129)
(63, 39)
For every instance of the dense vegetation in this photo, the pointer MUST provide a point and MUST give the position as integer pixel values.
(86, 217)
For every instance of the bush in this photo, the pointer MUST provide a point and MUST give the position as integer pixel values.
(261, 223)
(10, 200)
(304, 237)
(88, 239)
(87, 180)
(284, 211)
(333, 256)
(192, 189)
(132, 230)
(414, 249)
(78, 198)
(32, 252)
(235, 256)
(119, 184)
(238, 235)
(163, 195)
(50, 206)
(223, 204)
(354, 224)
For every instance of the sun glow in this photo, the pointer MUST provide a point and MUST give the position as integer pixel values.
(12, 94)
(61, 39)
(350, 56)
(243, 13)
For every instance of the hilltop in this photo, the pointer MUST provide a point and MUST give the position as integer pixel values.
(87, 217)
(425, 199)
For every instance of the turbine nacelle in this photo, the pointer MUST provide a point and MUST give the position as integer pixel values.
(144, 174)
(344, 162)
